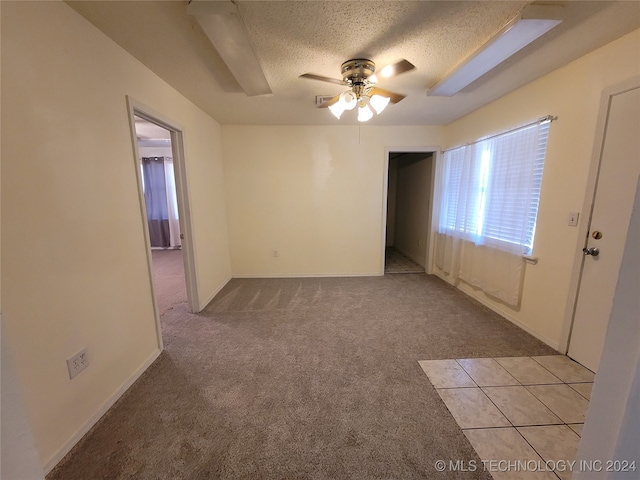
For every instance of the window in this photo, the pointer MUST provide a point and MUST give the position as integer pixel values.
(491, 188)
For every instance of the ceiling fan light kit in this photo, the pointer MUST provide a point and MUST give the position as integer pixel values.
(364, 110)
(531, 23)
(346, 101)
(379, 103)
(359, 75)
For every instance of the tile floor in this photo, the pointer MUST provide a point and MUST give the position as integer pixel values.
(527, 409)
(396, 262)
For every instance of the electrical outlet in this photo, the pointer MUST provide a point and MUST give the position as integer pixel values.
(275, 253)
(77, 362)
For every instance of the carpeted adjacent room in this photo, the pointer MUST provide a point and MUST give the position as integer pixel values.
(300, 378)
(168, 278)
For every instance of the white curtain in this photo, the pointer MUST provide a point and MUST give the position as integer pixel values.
(172, 203)
(489, 200)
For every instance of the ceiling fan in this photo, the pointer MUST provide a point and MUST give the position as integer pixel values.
(360, 76)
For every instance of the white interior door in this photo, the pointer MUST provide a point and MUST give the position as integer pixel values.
(613, 201)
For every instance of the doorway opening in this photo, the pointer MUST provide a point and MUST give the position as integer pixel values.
(155, 157)
(175, 275)
(408, 211)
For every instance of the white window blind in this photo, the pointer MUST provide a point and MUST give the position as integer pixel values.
(491, 188)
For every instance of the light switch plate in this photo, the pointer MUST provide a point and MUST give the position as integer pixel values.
(573, 219)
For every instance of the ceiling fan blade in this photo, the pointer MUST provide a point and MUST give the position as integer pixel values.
(313, 76)
(328, 103)
(397, 68)
(394, 97)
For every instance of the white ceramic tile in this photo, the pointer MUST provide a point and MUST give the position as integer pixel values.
(498, 447)
(583, 389)
(446, 374)
(565, 369)
(520, 406)
(527, 371)
(486, 372)
(562, 400)
(471, 408)
(577, 427)
(554, 443)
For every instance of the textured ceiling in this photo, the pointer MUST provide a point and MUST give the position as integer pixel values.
(292, 38)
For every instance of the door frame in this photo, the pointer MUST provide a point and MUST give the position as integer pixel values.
(136, 108)
(588, 204)
(432, 220)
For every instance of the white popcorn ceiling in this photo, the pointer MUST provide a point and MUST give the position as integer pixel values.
(292, 38)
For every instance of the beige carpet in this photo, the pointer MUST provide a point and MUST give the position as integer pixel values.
(300, 378)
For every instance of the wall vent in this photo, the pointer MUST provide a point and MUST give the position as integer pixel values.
(320, 99)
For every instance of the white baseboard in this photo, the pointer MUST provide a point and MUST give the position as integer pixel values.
(66, 448)
(553, 344)
(213, 295)
(307, 275)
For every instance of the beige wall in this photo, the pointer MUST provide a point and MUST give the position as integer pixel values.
(18, 454)
(155, 151)
(392, 194)
(316, 194)
(573, 93)
(74, 269)
(17, 446)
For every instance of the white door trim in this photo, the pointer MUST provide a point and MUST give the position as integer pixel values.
(184, 210)
(587, 208)
(431, 221)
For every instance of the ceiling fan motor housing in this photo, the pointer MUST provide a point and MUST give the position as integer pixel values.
(357, 71)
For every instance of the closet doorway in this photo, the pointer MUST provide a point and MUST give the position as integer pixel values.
(408, 211)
